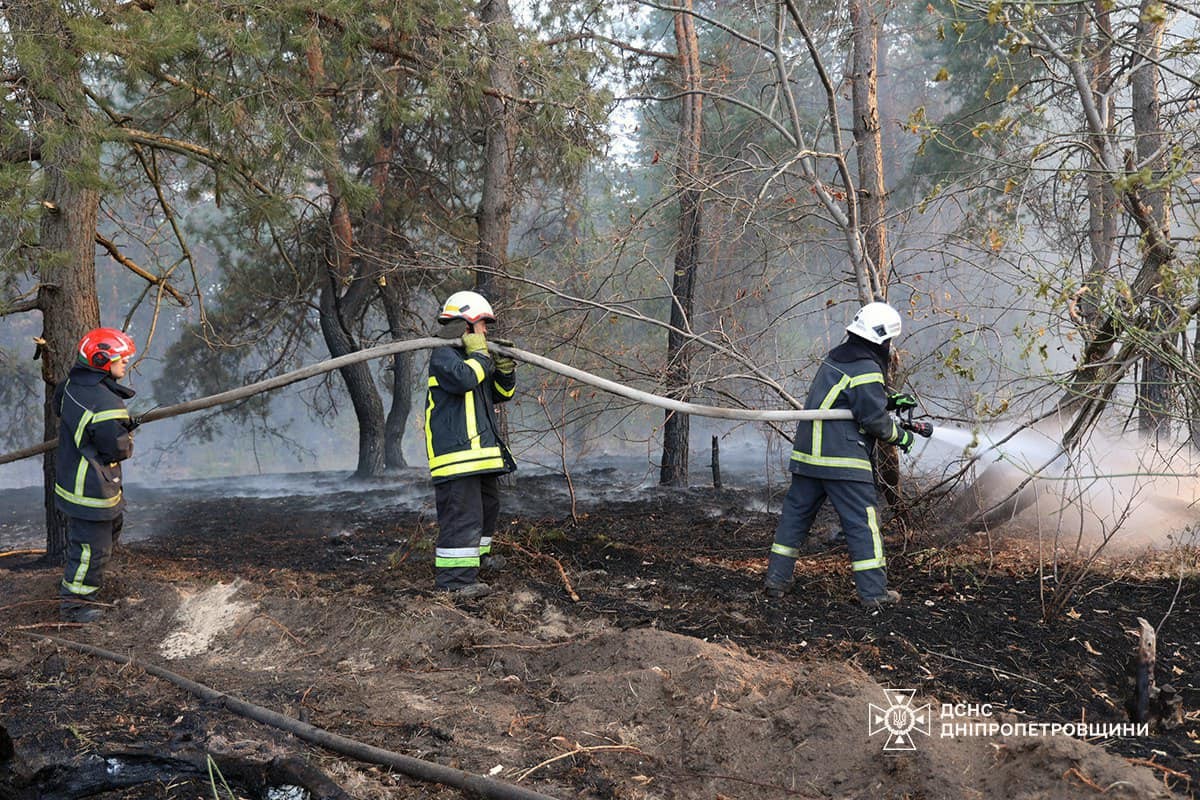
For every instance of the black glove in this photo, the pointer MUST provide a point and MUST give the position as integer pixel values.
(133, 423)
(905, 441)
(900, 401)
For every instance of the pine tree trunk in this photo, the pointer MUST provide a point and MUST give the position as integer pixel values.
(66, 269)
(678, 376)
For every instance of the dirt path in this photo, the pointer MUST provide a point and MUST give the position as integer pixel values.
(669, 679)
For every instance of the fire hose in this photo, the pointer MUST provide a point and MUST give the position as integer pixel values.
(427, 343)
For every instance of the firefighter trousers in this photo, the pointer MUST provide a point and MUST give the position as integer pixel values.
(89, 547)
(467, 510)
(855, 503)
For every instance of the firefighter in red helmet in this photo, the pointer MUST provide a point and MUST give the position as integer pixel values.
(94, 437)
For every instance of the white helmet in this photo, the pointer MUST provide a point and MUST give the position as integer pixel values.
(466, 305)
(876, 322)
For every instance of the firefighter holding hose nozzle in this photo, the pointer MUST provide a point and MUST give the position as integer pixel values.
(833, 458)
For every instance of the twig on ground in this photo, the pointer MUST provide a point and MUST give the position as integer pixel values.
(1148, 762)
(562, 572)
(988, 667)
(8, 553)
(271, 620)
(579, 750)
(1085, 780)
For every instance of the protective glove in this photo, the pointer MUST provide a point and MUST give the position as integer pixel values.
(133, 423)
(504, 364)
(899, 401)
(475, 343)
(905, 442)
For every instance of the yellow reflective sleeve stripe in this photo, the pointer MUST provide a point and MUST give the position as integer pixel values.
(116, 413)
(82, 426)
(878, 562)
(831, 461)
(433, 382)
(90, 502)
(502, 391)
(867, 377)
(480, 374)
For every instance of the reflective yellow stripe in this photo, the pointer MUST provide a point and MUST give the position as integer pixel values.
(484, 465)
(878, 562)
(480, 374)
(428, 414)
(116, 413)
(783, 550)
(90, 502)
(818, 429)
(85, 560)
(433, 382)
(502, 391)
(80, 475)
(82, 426)
(831, 461)
(472, 425)
(464, 455)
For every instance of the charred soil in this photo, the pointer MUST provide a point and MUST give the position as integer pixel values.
(669, 677)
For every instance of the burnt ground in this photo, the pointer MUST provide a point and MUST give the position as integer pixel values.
(669, 677)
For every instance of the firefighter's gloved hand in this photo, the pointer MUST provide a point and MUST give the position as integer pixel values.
(504, 364)
(475, 343)
(905, 442)
(899, 401)
(133, 423)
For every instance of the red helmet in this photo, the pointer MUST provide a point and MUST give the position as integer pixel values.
(100, 347)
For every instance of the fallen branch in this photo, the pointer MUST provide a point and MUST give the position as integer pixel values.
(412, 767)
(562, 572)
(383, 350)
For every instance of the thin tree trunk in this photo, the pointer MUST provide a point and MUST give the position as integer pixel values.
(868, 145)
(494, 217)
(678, 378)
(339, 312)
(66, 249)
(1155, 387)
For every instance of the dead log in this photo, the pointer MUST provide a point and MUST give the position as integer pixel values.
(113, 770)
(469, 783)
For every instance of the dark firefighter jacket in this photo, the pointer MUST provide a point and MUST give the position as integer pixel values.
(850, 377)
(461, 434)
(93, 439)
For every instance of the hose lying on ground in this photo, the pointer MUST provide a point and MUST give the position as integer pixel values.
(428, 771)
(427, 343)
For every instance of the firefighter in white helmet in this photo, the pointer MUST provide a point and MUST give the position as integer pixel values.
(832, 458)
(462, 438)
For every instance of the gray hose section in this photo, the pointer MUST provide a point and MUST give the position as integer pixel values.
(412, 767)
(428, 343)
